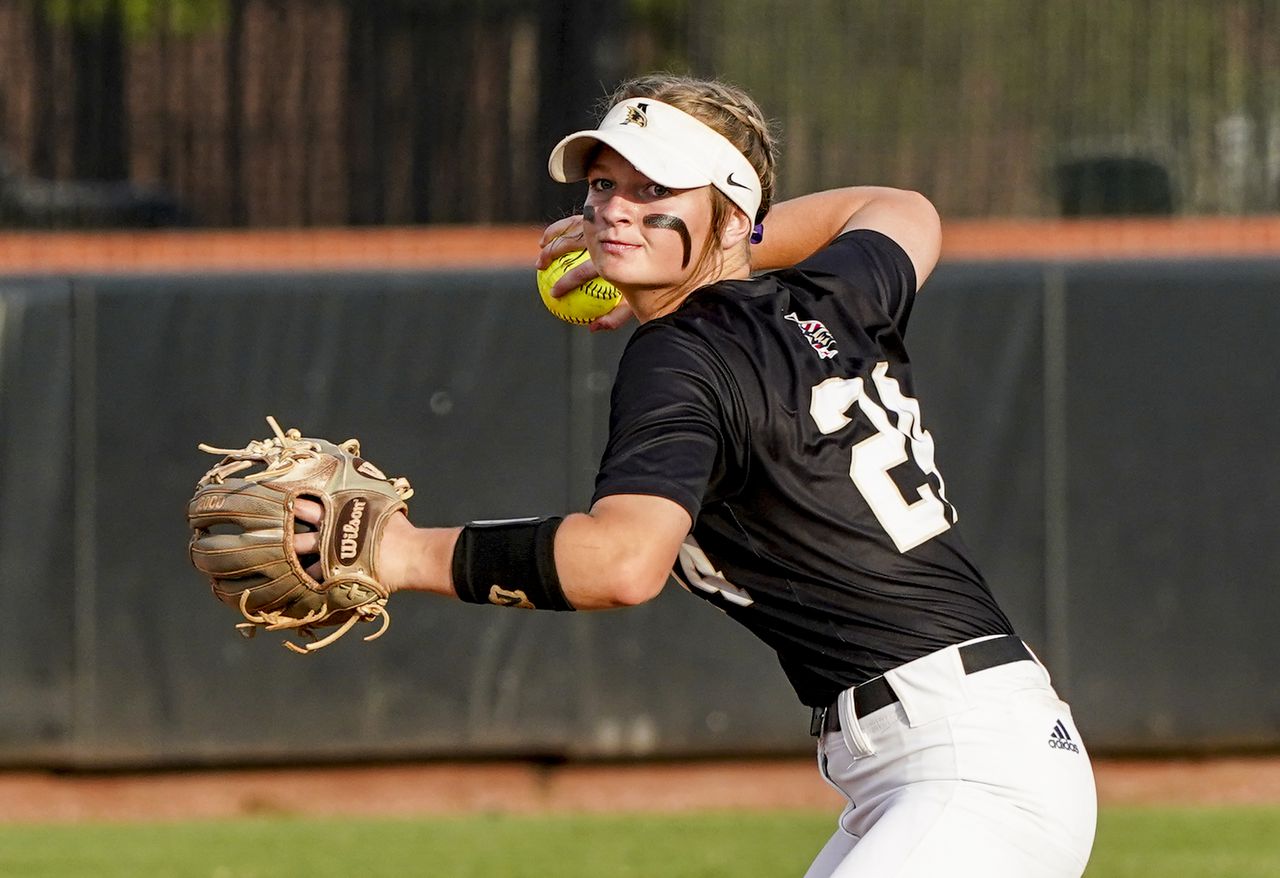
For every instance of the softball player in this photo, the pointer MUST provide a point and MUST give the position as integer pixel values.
(765, 442)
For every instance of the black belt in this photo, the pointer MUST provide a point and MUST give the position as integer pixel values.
(876, 693)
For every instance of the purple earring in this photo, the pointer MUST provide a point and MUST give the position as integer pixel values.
(757, 233)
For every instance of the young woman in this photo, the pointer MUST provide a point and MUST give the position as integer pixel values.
(766, 443)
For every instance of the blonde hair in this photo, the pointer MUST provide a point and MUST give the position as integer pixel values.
(727, 109)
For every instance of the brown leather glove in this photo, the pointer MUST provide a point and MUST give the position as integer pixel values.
(242, 527)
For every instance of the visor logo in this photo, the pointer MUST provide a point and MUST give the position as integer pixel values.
(733, 182)
(637, 115)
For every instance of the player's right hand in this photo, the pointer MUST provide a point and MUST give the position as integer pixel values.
(568, 236)
(562, 236)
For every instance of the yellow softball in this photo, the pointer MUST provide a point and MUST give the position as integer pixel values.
(596, 298)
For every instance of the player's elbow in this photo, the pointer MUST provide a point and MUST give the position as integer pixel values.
(620, 554)
(926, 213)
(634, 581)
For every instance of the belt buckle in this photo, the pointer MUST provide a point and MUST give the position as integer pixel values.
(818, 721)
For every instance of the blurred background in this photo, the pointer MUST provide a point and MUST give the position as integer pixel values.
(214, 210)
(259, 113)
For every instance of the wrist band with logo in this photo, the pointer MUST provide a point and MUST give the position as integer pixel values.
(509, 563)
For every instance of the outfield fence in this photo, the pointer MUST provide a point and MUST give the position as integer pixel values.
(1102, 423)
(327, 210)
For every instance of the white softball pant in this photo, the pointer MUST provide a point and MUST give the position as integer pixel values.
(980, 774)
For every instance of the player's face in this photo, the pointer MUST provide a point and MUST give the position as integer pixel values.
(642, 235)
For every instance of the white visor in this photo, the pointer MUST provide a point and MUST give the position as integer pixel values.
(668, 146)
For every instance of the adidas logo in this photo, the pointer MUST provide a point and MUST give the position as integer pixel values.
(1060, 739)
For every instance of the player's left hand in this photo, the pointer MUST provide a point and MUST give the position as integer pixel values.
(390, 557)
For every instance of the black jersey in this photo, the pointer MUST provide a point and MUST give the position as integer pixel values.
(780, 412)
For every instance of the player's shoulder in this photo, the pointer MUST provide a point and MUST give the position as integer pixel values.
(866, 271)
(859, 254)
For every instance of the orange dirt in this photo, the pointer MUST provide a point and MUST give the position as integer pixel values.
(459, 788)
(60, 253)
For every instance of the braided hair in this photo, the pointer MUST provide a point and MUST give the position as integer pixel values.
(721, 106)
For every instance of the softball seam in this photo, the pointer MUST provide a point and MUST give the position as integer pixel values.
(596, 289)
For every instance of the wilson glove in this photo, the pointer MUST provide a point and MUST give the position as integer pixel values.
(242, 526)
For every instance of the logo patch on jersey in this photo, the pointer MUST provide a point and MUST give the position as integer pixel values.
(819, 338)
(1060, 738)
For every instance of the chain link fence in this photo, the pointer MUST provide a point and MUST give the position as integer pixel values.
(297, 113)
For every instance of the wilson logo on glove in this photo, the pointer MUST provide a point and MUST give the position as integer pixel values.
(352, 534)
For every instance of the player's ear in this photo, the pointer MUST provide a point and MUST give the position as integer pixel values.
(735, 230)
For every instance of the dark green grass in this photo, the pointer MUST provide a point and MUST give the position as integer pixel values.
(1236, 842)
(1132, 843)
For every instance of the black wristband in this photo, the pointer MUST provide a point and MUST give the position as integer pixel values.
(509, 563)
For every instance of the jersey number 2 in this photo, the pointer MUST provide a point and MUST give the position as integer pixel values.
(908, 524)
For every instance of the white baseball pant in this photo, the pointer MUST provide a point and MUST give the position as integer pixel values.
(981, 774)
